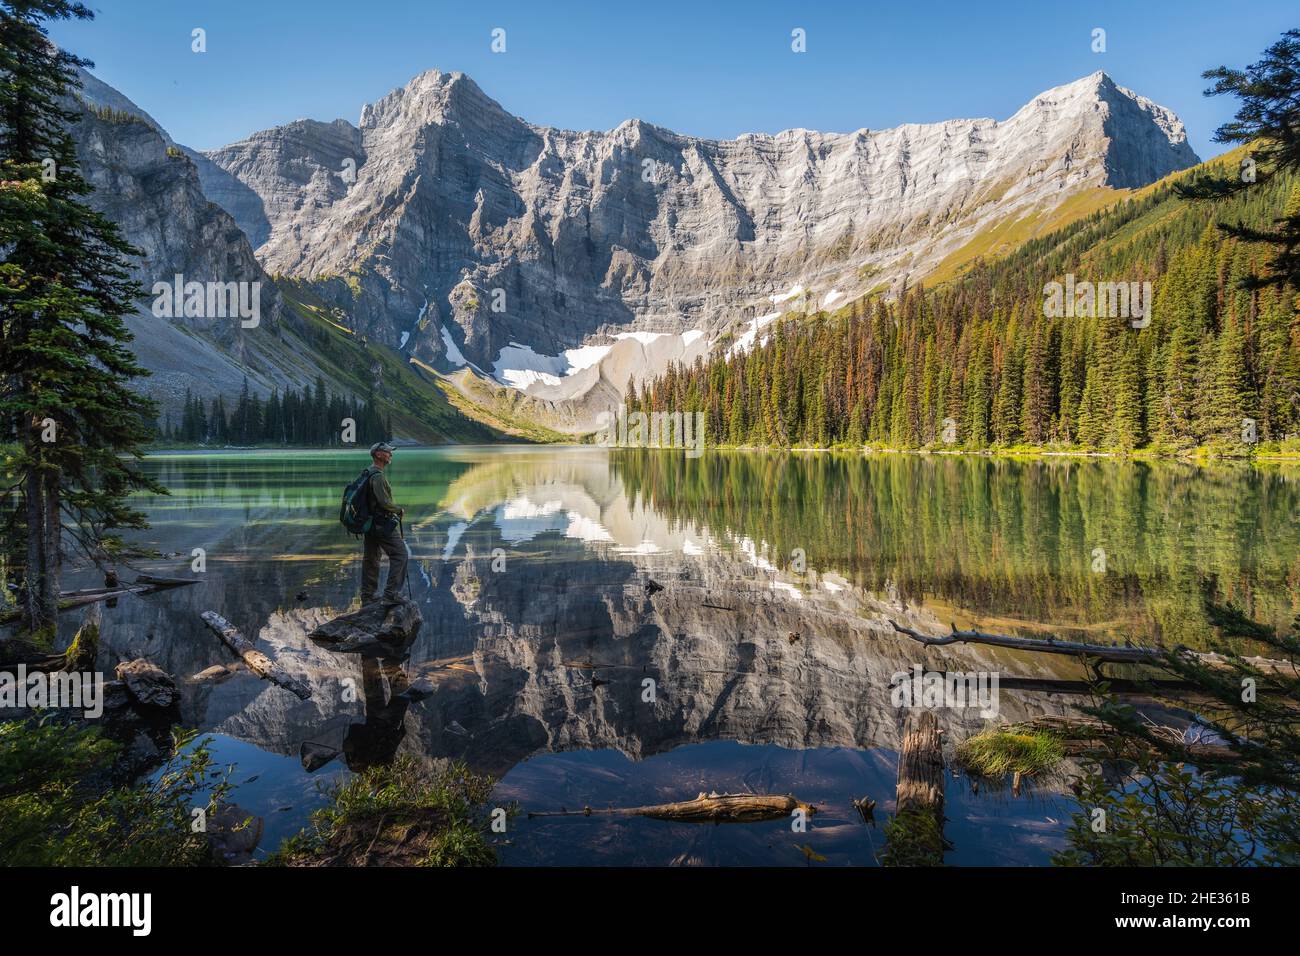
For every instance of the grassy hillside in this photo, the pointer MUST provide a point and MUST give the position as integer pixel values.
(418, 406)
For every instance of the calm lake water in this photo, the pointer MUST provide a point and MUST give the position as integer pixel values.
(765, 632)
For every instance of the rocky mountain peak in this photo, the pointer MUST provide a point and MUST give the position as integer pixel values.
(563, 262)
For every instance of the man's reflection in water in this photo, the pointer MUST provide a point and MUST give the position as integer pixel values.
(383, 682)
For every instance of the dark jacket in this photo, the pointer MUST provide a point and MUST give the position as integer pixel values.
(385, 510)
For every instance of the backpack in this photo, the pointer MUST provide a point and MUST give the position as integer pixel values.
(356, 514)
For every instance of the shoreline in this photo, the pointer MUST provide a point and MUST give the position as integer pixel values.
(865, 450)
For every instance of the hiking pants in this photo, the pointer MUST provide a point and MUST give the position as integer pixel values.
(391, 544)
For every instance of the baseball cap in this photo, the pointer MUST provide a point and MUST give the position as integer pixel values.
(382, 446)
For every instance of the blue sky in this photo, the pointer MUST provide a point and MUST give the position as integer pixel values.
(714, 69)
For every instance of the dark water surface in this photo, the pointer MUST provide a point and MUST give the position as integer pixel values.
(769, 645)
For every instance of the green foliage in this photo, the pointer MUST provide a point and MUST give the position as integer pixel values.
(294, 418)
(119, 117)
(1268, 91)
(1004, 539)
(409, 398)
(401, 814)
(59, 807)
(1162, 813)
(1171, 805)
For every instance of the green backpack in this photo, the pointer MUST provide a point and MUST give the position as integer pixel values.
(356, 514)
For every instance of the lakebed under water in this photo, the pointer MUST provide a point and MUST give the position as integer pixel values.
(765, 635)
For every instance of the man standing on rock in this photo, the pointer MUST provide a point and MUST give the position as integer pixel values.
(384, 534)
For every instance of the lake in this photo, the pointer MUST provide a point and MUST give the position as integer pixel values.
(614, 628)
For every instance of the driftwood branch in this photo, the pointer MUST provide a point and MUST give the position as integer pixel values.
(706, 808)
(1153, 656)
(257, 662)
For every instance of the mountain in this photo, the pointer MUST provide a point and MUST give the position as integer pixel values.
(152, 188)
(564, 263)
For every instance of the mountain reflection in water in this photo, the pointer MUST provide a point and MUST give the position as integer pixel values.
(543, 632)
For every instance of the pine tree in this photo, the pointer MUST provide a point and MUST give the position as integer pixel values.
(1268, 91)
(1125, 429)
(1227, 405)
(64, 362)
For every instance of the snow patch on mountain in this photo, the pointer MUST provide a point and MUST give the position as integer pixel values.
(745, 341)
(454, 355)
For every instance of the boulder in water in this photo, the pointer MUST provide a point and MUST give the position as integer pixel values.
(314, 755)
(379, 626)
(148, 683)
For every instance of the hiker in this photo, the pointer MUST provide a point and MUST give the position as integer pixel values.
(384, 534)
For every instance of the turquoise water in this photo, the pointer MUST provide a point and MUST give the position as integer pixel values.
(531, 570)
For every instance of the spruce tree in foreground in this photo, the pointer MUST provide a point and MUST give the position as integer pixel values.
(1268, 119)
(67, 412)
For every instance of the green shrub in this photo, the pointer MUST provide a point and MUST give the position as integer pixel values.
(399, 814)
(60, 807)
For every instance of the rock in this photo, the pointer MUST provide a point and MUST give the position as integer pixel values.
(143, 750)
(379, 626)
(439, 199)
(314, 755)
(117, 699)
(148, 683)
(152, 188)
(233, 834)
(420, 690)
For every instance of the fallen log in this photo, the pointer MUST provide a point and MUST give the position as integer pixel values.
(257, 662)
(1153, 656)
(915, 833)
(706, 808)
(74, 599)
(163, 582)
(1084, 734)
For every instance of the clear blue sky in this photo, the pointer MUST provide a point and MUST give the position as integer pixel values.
(714, 68)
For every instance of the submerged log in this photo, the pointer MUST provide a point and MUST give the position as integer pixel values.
(257, 662)
(706, 808)
(915, 833)
(163, 582)
(1153, 656)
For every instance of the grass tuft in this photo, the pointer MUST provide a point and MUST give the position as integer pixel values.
(995, 753)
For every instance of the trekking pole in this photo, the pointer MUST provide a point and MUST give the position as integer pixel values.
(402, 531)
